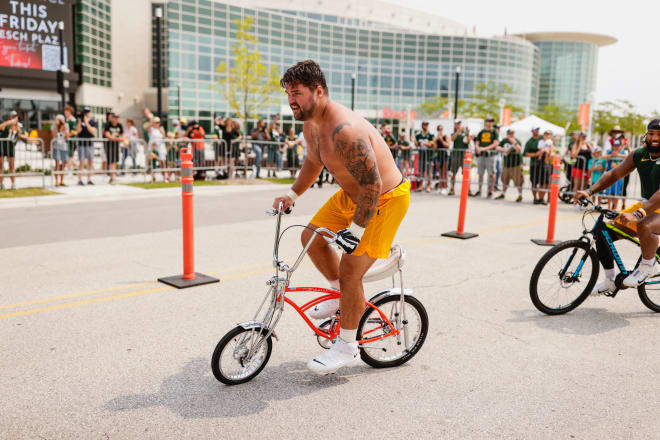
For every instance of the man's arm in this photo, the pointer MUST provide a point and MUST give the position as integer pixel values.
(609, 178)
(357, 154)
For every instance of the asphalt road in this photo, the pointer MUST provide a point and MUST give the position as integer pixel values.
(93, 348)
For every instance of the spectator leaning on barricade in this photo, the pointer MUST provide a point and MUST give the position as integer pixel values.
(536, 166)
(71, 124)
(545, 152)
(278, 134)
(511, 149)
(11, 131)
(497, 162)
(597, 167)
(442, 159)
(231, 136)
(568, 159)
(581, 152)
(86, 129)
(614, 158)
(292, 142)
(404, 153)
(424, 143)
(59, 148)
(272, 150)
(156, 151)
(259, 134)
(390, 140)
(218, 147)
(485, 144)
(114, 133)
(196, 132)
(461, 142)
(129, 146)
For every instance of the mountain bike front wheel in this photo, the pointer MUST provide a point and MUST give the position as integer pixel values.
(391, 351)
(241, 354)
(564, 277)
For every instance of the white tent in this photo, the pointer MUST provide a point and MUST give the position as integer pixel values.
(523, 128)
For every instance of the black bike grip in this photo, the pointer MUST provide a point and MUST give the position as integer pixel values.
(288, 210)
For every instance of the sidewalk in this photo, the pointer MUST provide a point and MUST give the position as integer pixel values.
(102, 191)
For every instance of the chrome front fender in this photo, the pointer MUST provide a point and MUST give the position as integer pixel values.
(247, 325)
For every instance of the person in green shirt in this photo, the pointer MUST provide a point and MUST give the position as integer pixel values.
(485, 145)
(461, 142)
(11, 131)
(390, 140)
(511, 148)
(425, 145)
(537, 169)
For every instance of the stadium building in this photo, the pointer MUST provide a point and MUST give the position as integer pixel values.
(399, 57)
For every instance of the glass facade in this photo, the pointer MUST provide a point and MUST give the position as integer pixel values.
(93, 41)
(393, 69)
(568, 72)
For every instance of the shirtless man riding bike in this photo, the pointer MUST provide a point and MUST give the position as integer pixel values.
(365, 212)
(643, 220)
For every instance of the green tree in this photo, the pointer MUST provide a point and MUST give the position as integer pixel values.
(434, 107)
(486, 102)
(604, 117)
(631, 121)
(246, 84)
(559, 115)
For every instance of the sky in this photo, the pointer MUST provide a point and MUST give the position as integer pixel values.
(628, 69)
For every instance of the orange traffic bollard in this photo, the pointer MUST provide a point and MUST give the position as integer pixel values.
(465, 189)
(552, 214)
(189, 278)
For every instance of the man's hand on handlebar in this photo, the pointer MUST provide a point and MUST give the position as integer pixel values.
(286, 201)
(579, 195)
(627, 219)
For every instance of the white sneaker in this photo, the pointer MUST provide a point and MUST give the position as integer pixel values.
(325, 309)
(639, 275)
(443, 191)
(339, 355)
(606, 286)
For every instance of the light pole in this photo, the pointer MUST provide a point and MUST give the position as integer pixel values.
(178, 95)
(353, 91)
(159, 15)
(63, 68)
(458, 73)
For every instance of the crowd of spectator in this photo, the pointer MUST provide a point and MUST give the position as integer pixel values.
(431, 159)
(500, 158)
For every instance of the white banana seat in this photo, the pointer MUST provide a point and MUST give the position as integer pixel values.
(386, 267)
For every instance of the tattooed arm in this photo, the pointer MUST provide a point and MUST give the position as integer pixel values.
(355, 151)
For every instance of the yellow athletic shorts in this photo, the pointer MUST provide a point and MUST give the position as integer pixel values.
(338, 211)
(632, 208)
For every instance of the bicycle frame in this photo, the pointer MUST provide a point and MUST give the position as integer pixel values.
(604, 230)
(279, 287)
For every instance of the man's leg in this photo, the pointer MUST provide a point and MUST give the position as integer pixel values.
(646, 230)
(322, 255)
(12, 170)
(351, 271)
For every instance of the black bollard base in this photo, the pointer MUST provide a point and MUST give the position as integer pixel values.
(178, 282)
(544, 242)
(463, 236)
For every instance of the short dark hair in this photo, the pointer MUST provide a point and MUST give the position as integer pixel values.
(307, 73)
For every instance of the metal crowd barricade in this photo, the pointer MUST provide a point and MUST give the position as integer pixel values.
(23, 159)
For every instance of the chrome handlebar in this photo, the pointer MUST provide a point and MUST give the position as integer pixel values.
(280, 265)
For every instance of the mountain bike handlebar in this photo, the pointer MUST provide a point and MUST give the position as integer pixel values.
(607, 213)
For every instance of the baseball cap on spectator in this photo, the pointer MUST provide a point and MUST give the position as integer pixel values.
(425, 122)
(654, 125)
(87, 109)
(155, 119)
(113, 115)
(536, 128)
(582, 134)
(184, 120)
(489, 119)
(13, 113)
(547, 132)
(597, 149)
(510, 131)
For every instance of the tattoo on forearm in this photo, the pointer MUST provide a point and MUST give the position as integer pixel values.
(360, 161)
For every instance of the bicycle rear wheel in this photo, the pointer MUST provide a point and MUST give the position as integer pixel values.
(391, 350)
(554, 287)
(649, 293)
(230, 363)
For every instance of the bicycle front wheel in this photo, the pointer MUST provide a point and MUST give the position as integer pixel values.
(241, 354)
(564, 277)
(391, 351)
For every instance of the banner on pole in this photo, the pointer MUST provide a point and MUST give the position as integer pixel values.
(583, 115)
(506, 117)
